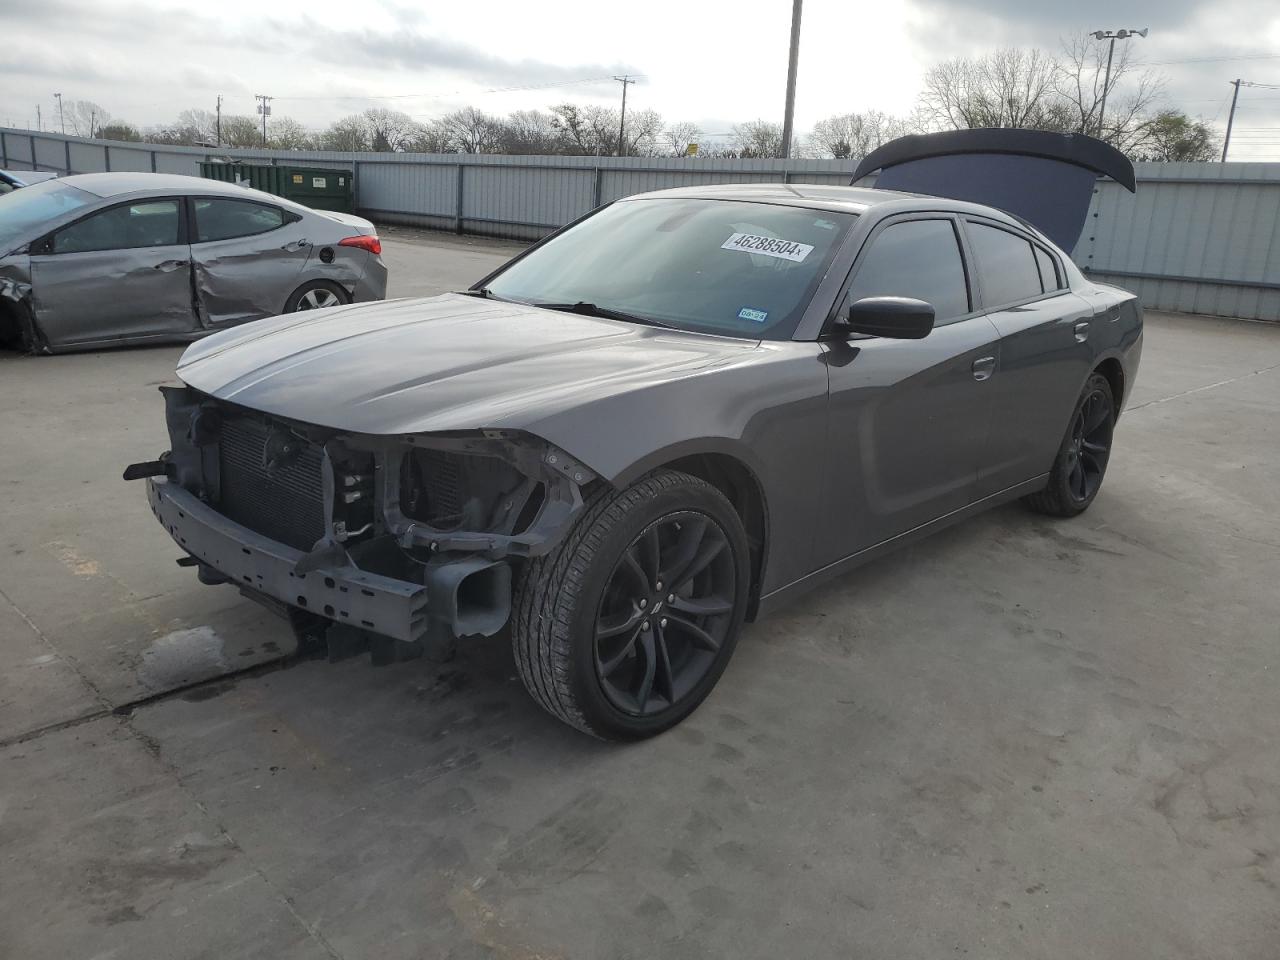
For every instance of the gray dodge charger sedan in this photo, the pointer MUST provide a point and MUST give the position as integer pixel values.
(104, 259)
(666, 418)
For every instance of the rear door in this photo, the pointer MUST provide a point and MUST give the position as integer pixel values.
(908, 418)
(1044, 351)
(119, 273)
(248, 257)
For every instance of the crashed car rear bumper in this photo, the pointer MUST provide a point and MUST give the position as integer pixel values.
(345, 594)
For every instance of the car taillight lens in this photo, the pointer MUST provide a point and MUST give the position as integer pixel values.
(372, 244)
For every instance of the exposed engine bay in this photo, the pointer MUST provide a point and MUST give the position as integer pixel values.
(409, 538)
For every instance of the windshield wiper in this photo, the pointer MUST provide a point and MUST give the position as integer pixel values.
(592, 310)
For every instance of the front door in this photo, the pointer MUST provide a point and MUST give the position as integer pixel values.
(908, 418)
(116, 274)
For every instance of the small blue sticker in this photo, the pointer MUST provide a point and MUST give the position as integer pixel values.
(746, 313)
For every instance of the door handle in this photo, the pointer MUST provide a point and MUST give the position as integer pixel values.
(169, 265)
(983, 368)
(1082, 331)
(295, 245)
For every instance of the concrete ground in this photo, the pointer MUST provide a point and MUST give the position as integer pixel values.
(1022, 738)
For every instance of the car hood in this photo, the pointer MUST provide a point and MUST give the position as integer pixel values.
(451, 362)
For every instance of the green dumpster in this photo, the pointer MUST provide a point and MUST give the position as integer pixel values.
(320, 189)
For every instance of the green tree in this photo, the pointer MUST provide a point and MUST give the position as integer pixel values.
(1172, 136)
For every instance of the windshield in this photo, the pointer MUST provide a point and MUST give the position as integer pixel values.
(715, 266)
(25, 211)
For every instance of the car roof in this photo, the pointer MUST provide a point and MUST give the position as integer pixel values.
(118, 184)
(837, 199)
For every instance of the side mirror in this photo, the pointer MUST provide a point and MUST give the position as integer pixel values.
(896, 318)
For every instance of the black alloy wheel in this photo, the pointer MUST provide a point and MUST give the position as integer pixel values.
(628, 623)
(1081, 463)
(1090, 445)
(665, 613)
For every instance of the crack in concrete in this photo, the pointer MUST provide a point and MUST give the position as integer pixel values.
(1207, 386)
(124, 713)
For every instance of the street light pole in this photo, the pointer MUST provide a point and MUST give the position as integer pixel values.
(1113, 36)
(793, 65)
(61, 121)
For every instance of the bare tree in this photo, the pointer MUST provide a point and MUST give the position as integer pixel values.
(854, 135)
(529, 132)
(350, 133)
(83, 117)
(241, 131)
(642, 132)
(388, 130)
(430, 137)
(586, 131)
(678, 137)
(1080, 77)
(1007, 88)
(757, 138)
(201, 124)
(471, 130)
(288, 134)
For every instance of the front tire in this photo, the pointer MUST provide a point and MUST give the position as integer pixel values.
(1082, 459)
(625, 627)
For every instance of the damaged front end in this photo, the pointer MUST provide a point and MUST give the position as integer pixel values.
(410, 538)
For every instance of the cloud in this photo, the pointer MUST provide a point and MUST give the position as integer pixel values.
(416, 52)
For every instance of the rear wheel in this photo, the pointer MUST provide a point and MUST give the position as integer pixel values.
(1082, 459)
(625, 627)
(316, 295)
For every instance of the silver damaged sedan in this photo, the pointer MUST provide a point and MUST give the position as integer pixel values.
(105, 259)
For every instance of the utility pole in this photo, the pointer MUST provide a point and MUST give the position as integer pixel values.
(39, 120)
(218, 122)
(622, 125)
(1113, 36)
(1226, 141)
(93, 115)
(61, 121)
(264, 108)
(788, 115)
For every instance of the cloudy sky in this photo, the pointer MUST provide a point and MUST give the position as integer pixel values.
(714, 62)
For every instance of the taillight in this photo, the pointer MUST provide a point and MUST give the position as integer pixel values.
(372, 244)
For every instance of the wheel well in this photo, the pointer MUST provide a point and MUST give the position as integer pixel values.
(739, 485)
(13, 330)
(1111, 369)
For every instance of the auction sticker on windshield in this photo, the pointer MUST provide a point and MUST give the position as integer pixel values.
(768, 246)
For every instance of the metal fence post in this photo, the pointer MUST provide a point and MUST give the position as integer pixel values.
(153, 161)
(355, 183)
(106, 157)
(596, 188)
(34, 165)
(4, 151)
(66, 150)
(457, 206)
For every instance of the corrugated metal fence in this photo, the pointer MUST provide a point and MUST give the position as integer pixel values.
(1198, 237)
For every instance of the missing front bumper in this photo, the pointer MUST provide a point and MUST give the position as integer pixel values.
(344, 594)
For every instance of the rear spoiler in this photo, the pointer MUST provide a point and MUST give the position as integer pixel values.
(1045, 178)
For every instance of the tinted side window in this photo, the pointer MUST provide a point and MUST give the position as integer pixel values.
(224, 219)
(1007, 264)
(1049, 278)
(919, 259)
(147, 223)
